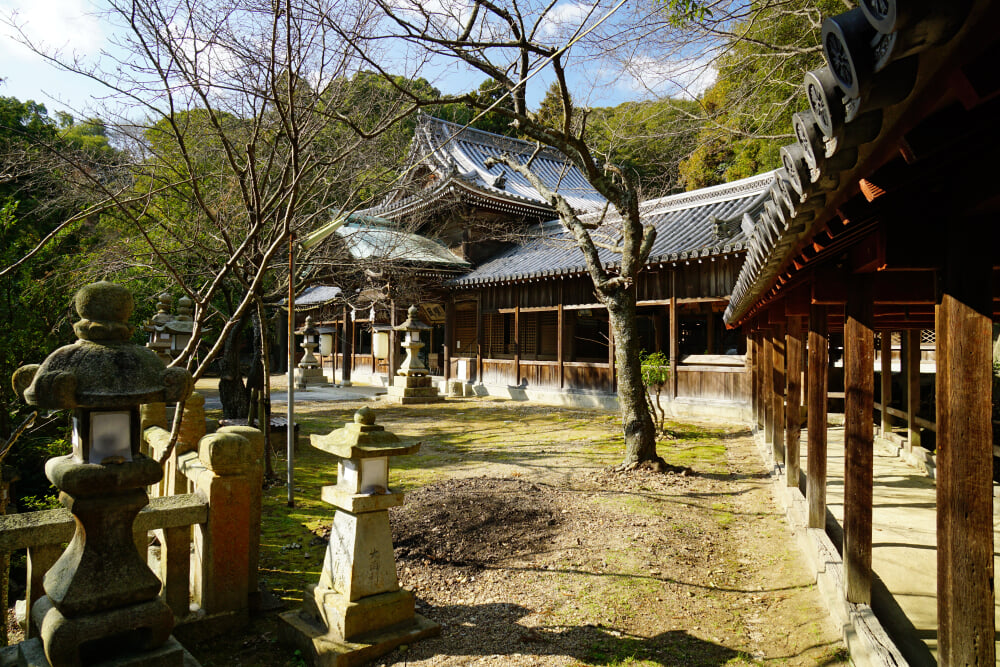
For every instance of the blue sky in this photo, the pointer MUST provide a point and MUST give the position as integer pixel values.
(74, 28)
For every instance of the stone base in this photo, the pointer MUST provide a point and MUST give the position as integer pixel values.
(136, 629)
(326, 650)
(310, 377)
(171, 654)
(407, 389)
(346, 620)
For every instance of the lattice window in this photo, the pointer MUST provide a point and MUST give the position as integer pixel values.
(493, 332)
(548, 333)
(465, 330)
(927, 337)
(528, 334)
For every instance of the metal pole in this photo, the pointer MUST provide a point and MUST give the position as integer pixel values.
(290, 434)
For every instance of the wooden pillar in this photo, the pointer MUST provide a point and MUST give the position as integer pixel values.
(479, 339)
(333, 352)
(449, 336)
(859, 387)
(778, 392)
(611, 355)
(753, 352)
(674, 332)
(710, 331)
(963, 341)
(517, 336)
(885, 349)
(805, 370)
(560, 334)
(793, 391)
(347, 347)
(816, 432)
(767, 387)
(912, 387)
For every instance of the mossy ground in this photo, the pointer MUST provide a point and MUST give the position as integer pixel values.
(643, 569)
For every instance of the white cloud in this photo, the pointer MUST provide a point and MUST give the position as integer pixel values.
(565, 17)
(447, 16)
(69, 26)
(683, 77)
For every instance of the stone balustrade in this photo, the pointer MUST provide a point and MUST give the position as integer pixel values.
(209, 501)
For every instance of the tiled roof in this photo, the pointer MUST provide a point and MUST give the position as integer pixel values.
(456, 157)
(366, 242)
(883, 73)
(316, 295)
(701, 223)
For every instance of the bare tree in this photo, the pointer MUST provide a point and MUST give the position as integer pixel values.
(509, 43)
(248, 126)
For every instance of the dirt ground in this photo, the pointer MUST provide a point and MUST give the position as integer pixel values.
(552, 558)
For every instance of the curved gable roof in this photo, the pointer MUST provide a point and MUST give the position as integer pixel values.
(456, 156)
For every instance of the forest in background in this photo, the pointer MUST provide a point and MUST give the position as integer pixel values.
(130, 203)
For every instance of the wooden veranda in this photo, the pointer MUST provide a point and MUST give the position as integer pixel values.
(884, 222)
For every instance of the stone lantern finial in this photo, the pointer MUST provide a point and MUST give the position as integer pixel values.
(104, 309)
(185, 308)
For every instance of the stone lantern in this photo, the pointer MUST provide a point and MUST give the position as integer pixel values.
(413, 383)
(181, 326)
(101, 599)
(309, 371)
(357, 611)
(159, 338)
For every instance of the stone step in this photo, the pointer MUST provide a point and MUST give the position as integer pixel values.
(412, 381)
(413, 391)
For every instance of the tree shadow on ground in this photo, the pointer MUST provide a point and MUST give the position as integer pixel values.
(493, 630)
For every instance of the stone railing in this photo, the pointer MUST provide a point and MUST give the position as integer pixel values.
(208, 503)
(44, 533)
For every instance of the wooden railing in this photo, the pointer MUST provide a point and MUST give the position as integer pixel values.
(714, 377)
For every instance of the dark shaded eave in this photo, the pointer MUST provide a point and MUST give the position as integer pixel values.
(815, 200)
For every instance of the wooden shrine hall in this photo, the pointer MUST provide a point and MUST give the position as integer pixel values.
(882, 224)
(526, 321)
(520, 319)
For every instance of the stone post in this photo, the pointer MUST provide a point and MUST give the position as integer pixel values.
(255, 473)
(225, 472)
(156, 433)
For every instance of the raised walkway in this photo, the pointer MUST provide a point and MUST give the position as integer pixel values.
(904, 543)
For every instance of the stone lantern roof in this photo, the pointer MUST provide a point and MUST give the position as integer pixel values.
(363, 439)
(413, 321)
(103, 369)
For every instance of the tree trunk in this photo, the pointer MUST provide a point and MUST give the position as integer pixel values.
(637, 424)
(265, 395)
(232, 391)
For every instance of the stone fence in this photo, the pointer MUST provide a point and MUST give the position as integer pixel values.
(205, 517)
